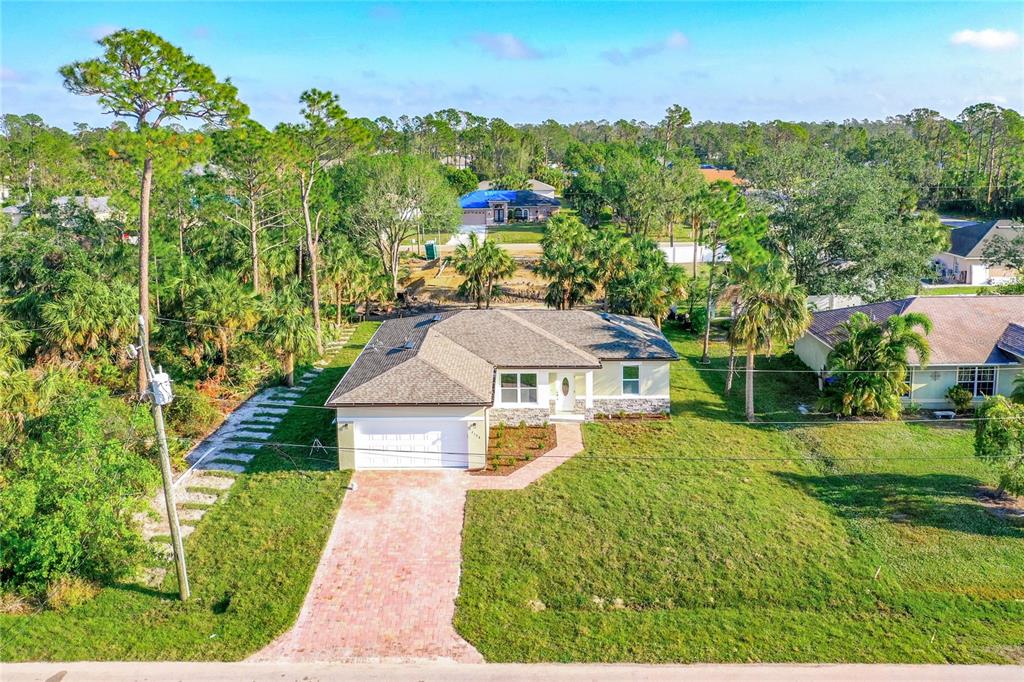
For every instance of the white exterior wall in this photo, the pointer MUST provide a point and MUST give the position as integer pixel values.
(544, 386)
(929, 385)
(682, 253)
(654, 379)
(812, 351)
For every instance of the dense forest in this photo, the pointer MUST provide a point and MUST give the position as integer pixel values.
(248, 246)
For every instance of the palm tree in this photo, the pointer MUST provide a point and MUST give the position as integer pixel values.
(221, 310)
(288, 329)
(773, 310)
(339, 264)
(482, 266)
(466, 263)
(613, 257)
(1017, 395)
(869, 365)
(649, 286)
(566, 262)
(87, 312)
(13, 342)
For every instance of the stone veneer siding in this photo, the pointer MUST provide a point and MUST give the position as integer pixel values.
(533, 416)
(631, 406)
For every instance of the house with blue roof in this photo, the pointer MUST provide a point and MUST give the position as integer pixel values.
(501, 206)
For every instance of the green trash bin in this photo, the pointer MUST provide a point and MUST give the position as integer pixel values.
(431, 250)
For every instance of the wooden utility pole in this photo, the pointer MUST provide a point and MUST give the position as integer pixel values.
(158, 388)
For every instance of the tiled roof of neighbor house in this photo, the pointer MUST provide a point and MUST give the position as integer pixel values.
(970, 241)
(534, 185)
(449, 358)
(712, 174)
(966, 329)
(481, 197)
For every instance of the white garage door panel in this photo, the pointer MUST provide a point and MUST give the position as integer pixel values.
(402, 444)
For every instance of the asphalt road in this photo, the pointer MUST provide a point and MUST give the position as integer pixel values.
(453, 672)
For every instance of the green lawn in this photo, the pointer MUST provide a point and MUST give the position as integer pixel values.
(706, 539)
(250, 561)
(517, 233)
(951, 291)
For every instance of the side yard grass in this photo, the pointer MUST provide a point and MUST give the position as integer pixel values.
(517, 233)
(250, 560)
(702, 538)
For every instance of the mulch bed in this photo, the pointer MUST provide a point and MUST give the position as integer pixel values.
(513, 447)
(1008, 508)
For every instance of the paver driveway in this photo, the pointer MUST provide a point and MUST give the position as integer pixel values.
(386, 585)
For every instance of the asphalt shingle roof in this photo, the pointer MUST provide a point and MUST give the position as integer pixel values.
(966, 330)
(970, 241)
(450, 358)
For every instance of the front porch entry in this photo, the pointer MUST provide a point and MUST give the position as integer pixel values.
(572, 394)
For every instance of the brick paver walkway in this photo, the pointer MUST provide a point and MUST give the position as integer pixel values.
(386, 585)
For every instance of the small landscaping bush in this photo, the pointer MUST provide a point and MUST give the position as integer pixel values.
(191, 414)
(960, 397)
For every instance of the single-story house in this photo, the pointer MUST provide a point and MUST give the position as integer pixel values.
(976, 341)
(500, 206)
(426, 389)
(541, 188)
(964, 263)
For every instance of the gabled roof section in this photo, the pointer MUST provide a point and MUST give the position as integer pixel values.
(827, 324)
(970, 241)
(1012, 341)
(450, 358)
(482, 198)
(967, 330)
(504, 339)
(604, 335)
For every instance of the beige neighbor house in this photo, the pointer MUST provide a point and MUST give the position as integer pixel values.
(501, 206)
(976, 341)
(426, 389)
(964, 264)
(541, 188)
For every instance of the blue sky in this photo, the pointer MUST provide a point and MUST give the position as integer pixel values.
(566, 60)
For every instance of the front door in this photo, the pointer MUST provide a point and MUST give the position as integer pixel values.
(566, 391)
(499, 215)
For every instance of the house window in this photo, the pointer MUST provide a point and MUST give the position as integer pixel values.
(519, 388)
(978, 380)
(631, 379)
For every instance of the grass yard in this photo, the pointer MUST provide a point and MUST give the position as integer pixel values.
(954, 291)
(250, 560)
(702, 538)
(517, 233)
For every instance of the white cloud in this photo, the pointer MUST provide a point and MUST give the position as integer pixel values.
(676, 40)
(986, 39)
(101, 31)
(9, 75)
(506, 46)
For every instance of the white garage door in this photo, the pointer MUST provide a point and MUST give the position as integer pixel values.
(411, 444)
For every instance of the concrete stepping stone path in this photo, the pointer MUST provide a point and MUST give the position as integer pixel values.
(220, 457)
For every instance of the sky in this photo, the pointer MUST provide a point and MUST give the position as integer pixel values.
(527, 62)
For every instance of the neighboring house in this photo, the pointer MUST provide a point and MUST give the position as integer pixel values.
(99, 206)
(541, 188)
(500, 206)
(832, 301)
(977, 342)
(426, 389)
(964, 263)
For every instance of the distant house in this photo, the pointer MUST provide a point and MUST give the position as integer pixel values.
(99, 206)
(500, 206)
(977, 342)
(963, 263)
(714, 174)
(541, 188)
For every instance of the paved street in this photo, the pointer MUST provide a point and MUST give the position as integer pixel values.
(312, 672)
